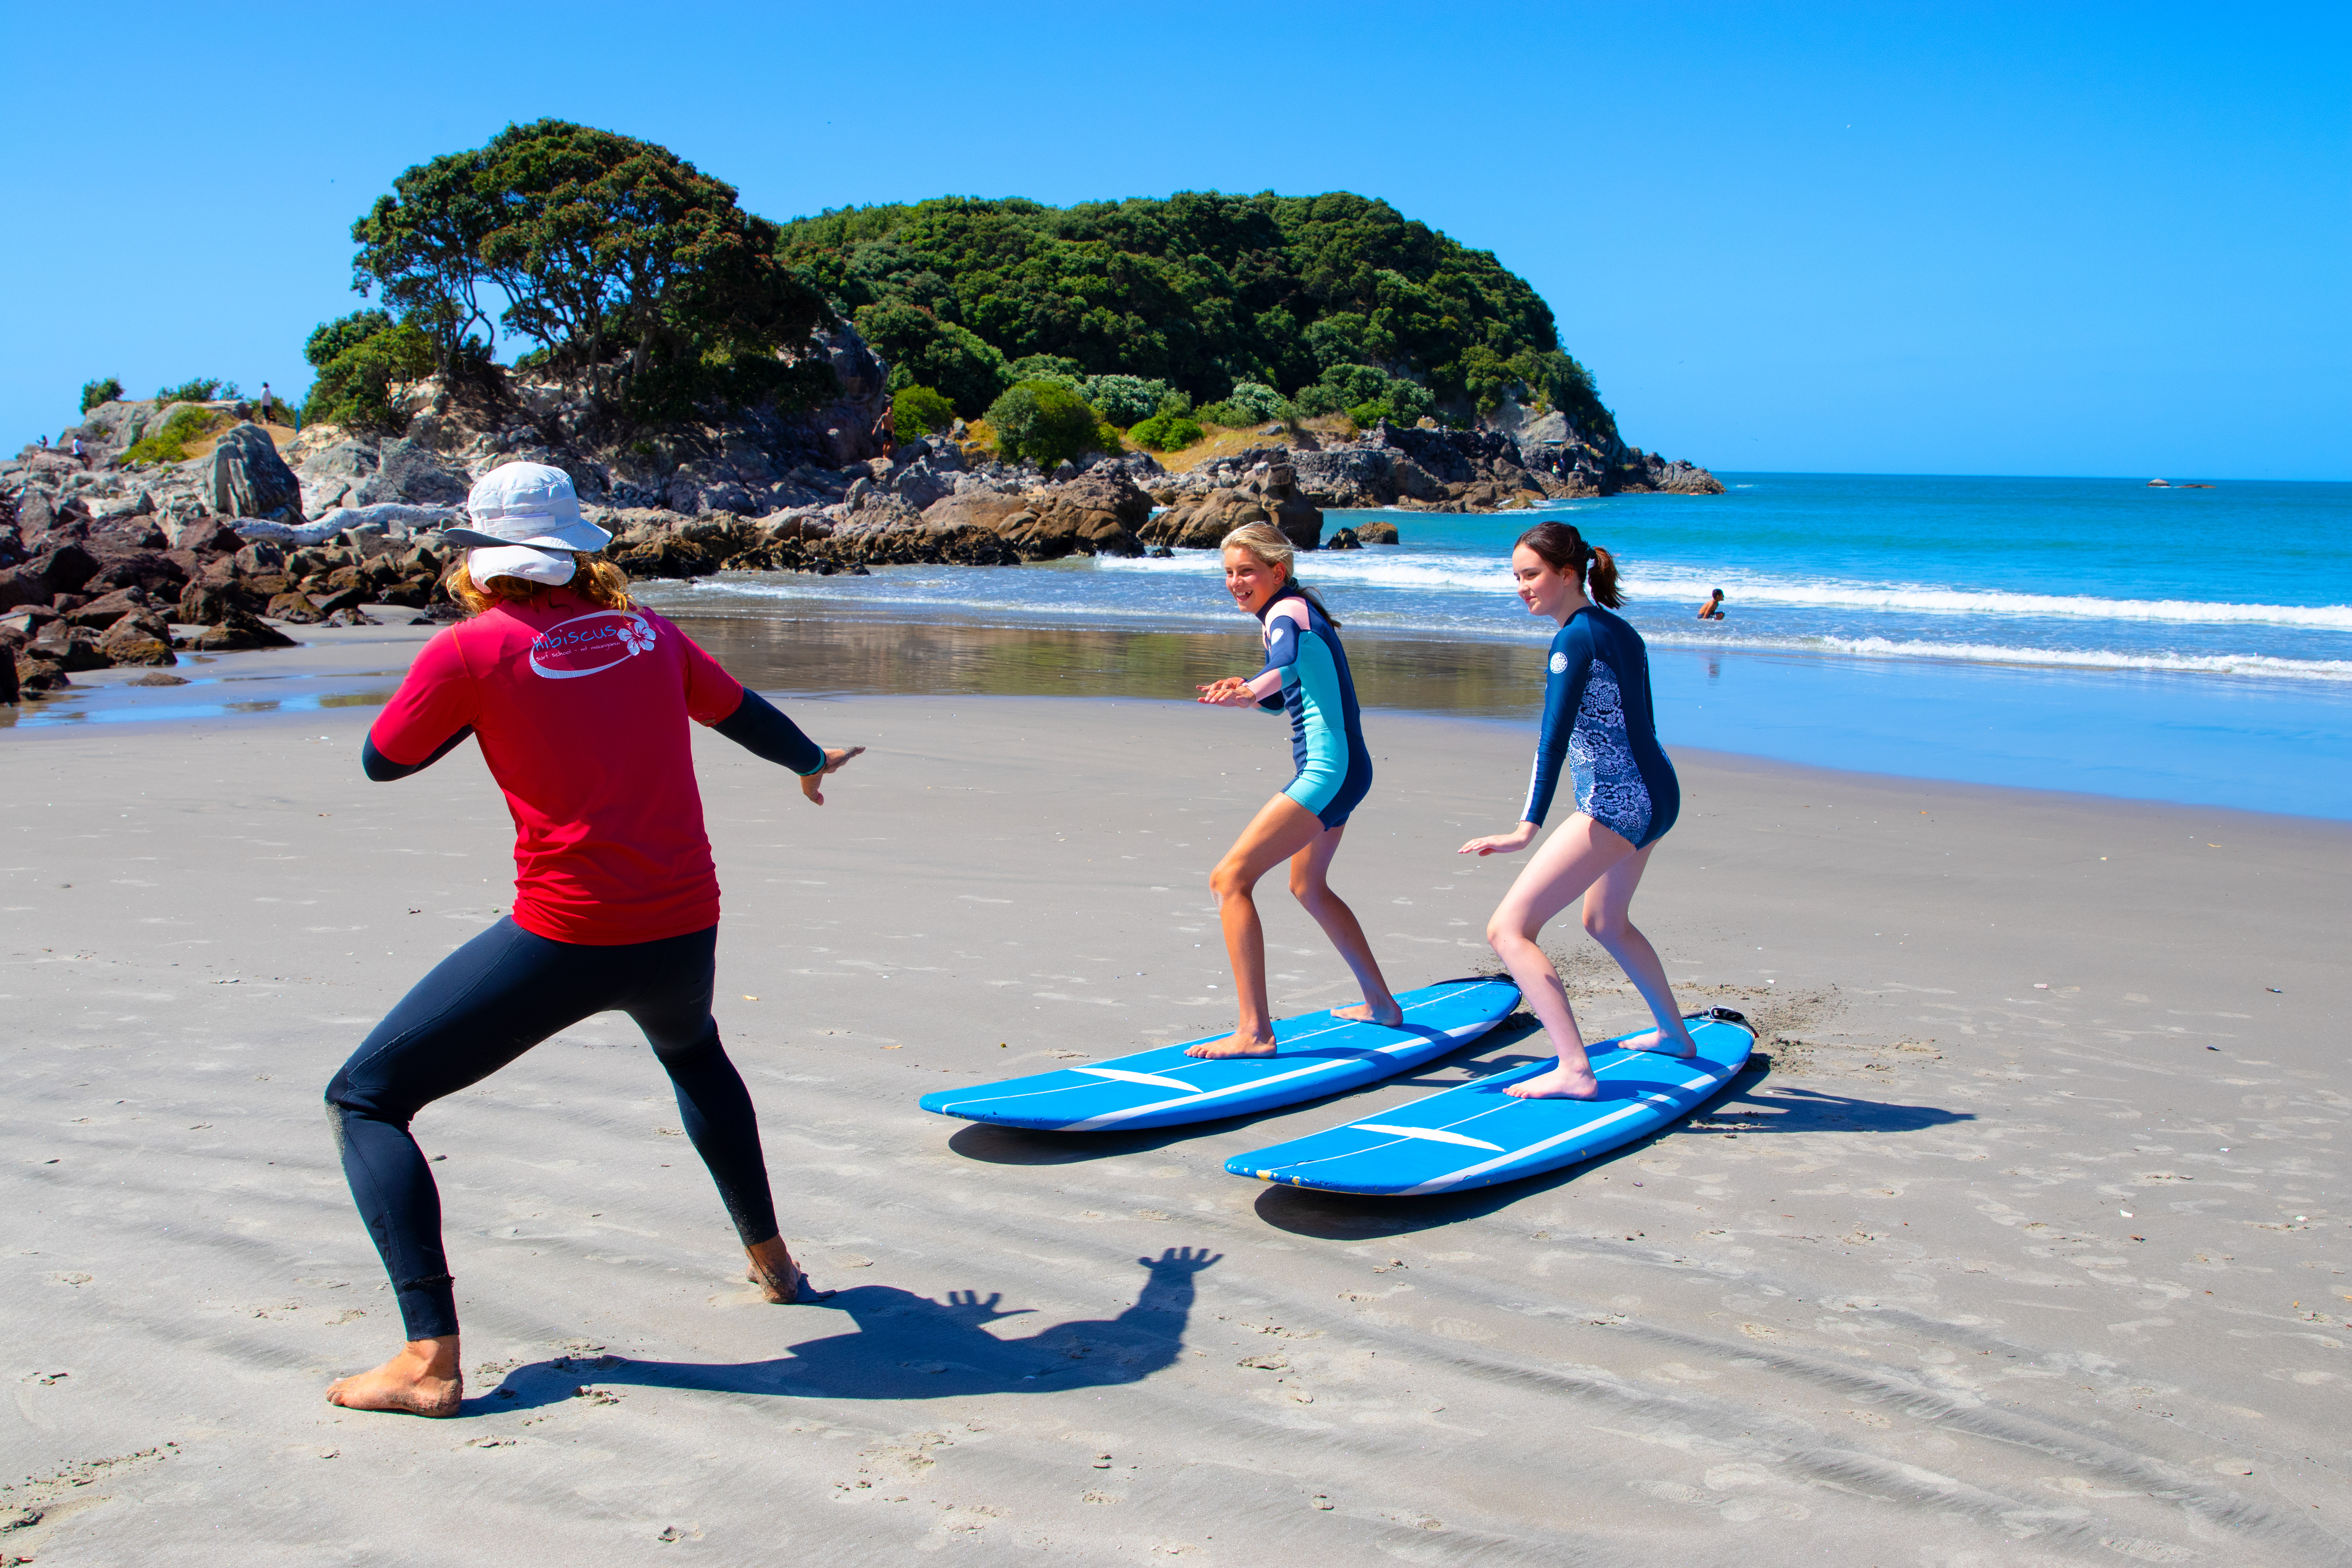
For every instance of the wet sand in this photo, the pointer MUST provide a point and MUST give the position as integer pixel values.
(1965, 1271)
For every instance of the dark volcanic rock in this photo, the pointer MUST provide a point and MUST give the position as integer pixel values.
(139, 637)
(105, 610)
(238, 631)
(247, 477)
(65, 568)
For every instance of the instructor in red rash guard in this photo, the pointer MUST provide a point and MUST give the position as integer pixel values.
(580, 703)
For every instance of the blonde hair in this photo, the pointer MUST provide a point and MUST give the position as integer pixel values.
(1272, 546)
(596, 580)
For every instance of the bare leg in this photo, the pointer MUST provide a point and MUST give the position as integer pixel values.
(423, 1379)
(1605, 907)
(1310, 870)
(1561, 869)
(1282, 828)
(774, 1272)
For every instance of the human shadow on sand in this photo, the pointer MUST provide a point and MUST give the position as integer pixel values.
(906, 1346)
(1736, 1109)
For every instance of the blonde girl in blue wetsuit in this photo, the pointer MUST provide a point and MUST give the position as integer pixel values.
(1305, 675)
(1597, 718)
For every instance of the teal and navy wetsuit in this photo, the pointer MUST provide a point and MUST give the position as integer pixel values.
(1327, 740)
(1597, 714)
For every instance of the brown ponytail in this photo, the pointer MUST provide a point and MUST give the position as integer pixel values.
(1563, 549)
(1601, 580)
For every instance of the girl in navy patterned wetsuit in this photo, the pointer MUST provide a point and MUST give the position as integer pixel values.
(1597, 720)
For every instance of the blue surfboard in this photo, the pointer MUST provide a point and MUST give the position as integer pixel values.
(1475, 1135)
(1314, 1054)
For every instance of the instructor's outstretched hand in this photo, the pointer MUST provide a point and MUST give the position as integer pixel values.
(835, 758)
(1510, 843)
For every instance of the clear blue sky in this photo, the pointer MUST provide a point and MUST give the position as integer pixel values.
(1980, 238)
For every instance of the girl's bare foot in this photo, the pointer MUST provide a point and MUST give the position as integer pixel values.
(774, 1272)
(1234, 1045)
(1388, 1015)
(1657, 1040)
(1561, 1083)
(423, 1379)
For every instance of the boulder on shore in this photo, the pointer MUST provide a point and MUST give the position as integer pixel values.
(245, 477)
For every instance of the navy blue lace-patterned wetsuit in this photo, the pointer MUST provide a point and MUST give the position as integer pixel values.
(1309, 668)
(1597, 716)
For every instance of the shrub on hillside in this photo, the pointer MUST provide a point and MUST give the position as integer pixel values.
(168, 443)
(94, 392)
(1043, 421)
(918, 411)
(203, 389)
(1165, 432)
(1069, 373)
(1124, 399)
(354, 388)
(1259, 402)
(1364, 393)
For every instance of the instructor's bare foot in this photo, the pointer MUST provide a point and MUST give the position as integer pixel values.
(774, 1272)
(423, 1379)
(1561, 1083)
(1659, 1041)
(1388, 1015)
(1234, 1045)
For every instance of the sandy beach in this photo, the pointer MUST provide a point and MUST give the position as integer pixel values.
(2029, 1249)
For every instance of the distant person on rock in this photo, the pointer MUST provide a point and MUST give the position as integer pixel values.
(580, 703)
(1713, 610)
(265, 403)
(1306, 673)
(79, 456)
(1596, 720)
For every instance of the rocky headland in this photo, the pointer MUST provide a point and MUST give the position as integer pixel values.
(112, 559)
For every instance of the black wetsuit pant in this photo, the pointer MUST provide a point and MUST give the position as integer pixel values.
(480, 1008)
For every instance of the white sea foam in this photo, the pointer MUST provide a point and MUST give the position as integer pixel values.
(2326, 670)
(1743, 589)
(1428, 570)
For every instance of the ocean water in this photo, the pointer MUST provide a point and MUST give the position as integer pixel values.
(2088, 635)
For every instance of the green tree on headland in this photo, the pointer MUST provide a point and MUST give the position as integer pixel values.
(630, 269)
(1201, 290)
(104, 390)
(622, 262)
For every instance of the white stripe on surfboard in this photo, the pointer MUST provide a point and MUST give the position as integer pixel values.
(1125, 1077)
(1444, 1134)
(1202, 1096)
(981, 1097)
(1441, 1182)
(1435, 1134)
(982, 1094)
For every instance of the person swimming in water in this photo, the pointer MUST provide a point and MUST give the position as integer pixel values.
(1713, 610)
(1306, 673)
(1597, 717)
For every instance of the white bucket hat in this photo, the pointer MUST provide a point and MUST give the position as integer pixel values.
(525, 522)
(527, 504)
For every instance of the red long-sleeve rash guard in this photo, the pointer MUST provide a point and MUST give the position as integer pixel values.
(581, 713)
